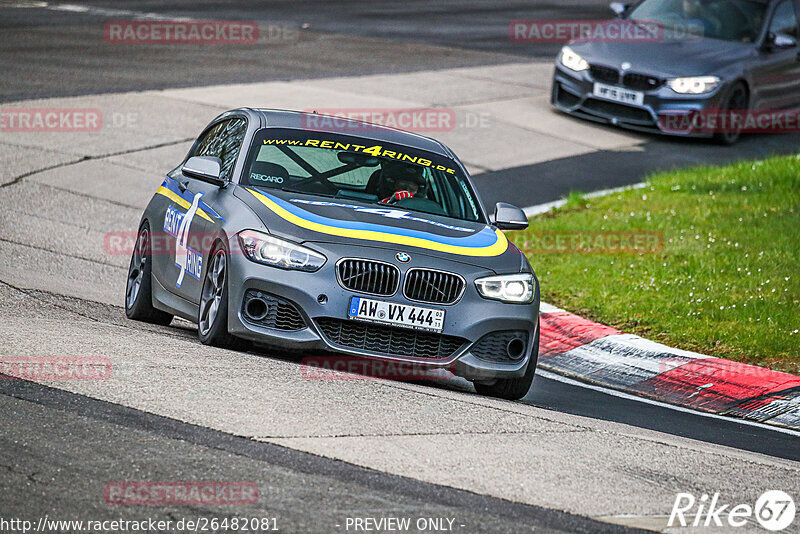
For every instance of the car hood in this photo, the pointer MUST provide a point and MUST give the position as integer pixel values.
(306, 218)
(668, 57)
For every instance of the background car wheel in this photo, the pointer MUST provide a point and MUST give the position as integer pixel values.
(138, 289)
(513, 388)
(212, 319)
(736, 101)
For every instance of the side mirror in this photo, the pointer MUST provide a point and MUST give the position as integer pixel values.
(205, 168)
(783, 41)
(779, 41)
(619, 8)
(508, 217)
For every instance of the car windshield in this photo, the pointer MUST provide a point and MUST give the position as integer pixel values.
(359, 169)
(728, 20)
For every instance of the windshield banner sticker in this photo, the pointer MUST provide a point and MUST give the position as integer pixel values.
(375, 150)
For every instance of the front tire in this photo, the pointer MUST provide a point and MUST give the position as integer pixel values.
(139, 287)
(736, 101)
(212, 318)
(513, 388)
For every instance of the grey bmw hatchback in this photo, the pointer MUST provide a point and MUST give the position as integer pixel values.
(323, 234)
(710, 56)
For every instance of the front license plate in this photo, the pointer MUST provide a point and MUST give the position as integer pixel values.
(618, 94)
(380, 311)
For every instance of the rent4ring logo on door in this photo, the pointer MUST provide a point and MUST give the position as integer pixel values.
(774, 510)
(177, 224)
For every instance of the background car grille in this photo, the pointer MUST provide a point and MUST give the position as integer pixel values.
(495, 347)
(273, 312)
(642, 82)
(435, 287)
(367, 276)
(632, 80)
(387, 339)
(604, 74)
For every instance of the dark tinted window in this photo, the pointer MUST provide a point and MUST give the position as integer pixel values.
(728, 20)
(224, 140)
(784, 21)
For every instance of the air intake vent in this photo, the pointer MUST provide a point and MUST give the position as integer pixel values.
(505, 346)
(273, 312)
(388, 340)
(436, 287)
(365, 276)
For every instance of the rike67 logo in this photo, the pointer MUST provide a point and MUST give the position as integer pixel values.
(774, 511)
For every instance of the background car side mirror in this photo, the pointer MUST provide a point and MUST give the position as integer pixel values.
(619, 8)
(509, 217)
(782, 41)
(778, 41)
(205, 168)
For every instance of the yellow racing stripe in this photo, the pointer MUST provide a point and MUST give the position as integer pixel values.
(185, 204)
(495, 249)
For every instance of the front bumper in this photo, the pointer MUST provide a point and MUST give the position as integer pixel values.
(663, 110)
(321, 301)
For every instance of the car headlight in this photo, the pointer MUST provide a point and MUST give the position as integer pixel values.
(695, 85)
(515, 288)
(263, 248)
(573, 61)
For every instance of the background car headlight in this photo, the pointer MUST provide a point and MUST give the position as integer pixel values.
(263, 248)
(573, 61)
(695, 85)
(516, 288)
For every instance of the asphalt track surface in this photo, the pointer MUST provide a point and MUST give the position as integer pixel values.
(48, 52)
(77, 438)
(52, 438)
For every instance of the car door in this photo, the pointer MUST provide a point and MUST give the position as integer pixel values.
(777, 77)
(189, 220)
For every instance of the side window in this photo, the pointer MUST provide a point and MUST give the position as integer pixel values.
(784, 21)
(206, 145)
(223, 141)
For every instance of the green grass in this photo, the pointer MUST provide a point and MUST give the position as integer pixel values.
(726, 281)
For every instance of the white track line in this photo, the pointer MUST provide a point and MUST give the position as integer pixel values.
(620, 394)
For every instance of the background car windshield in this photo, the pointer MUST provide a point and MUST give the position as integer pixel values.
(729, 20)
(349, 174)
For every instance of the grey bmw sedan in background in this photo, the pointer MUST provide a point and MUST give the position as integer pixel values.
(709, 56)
